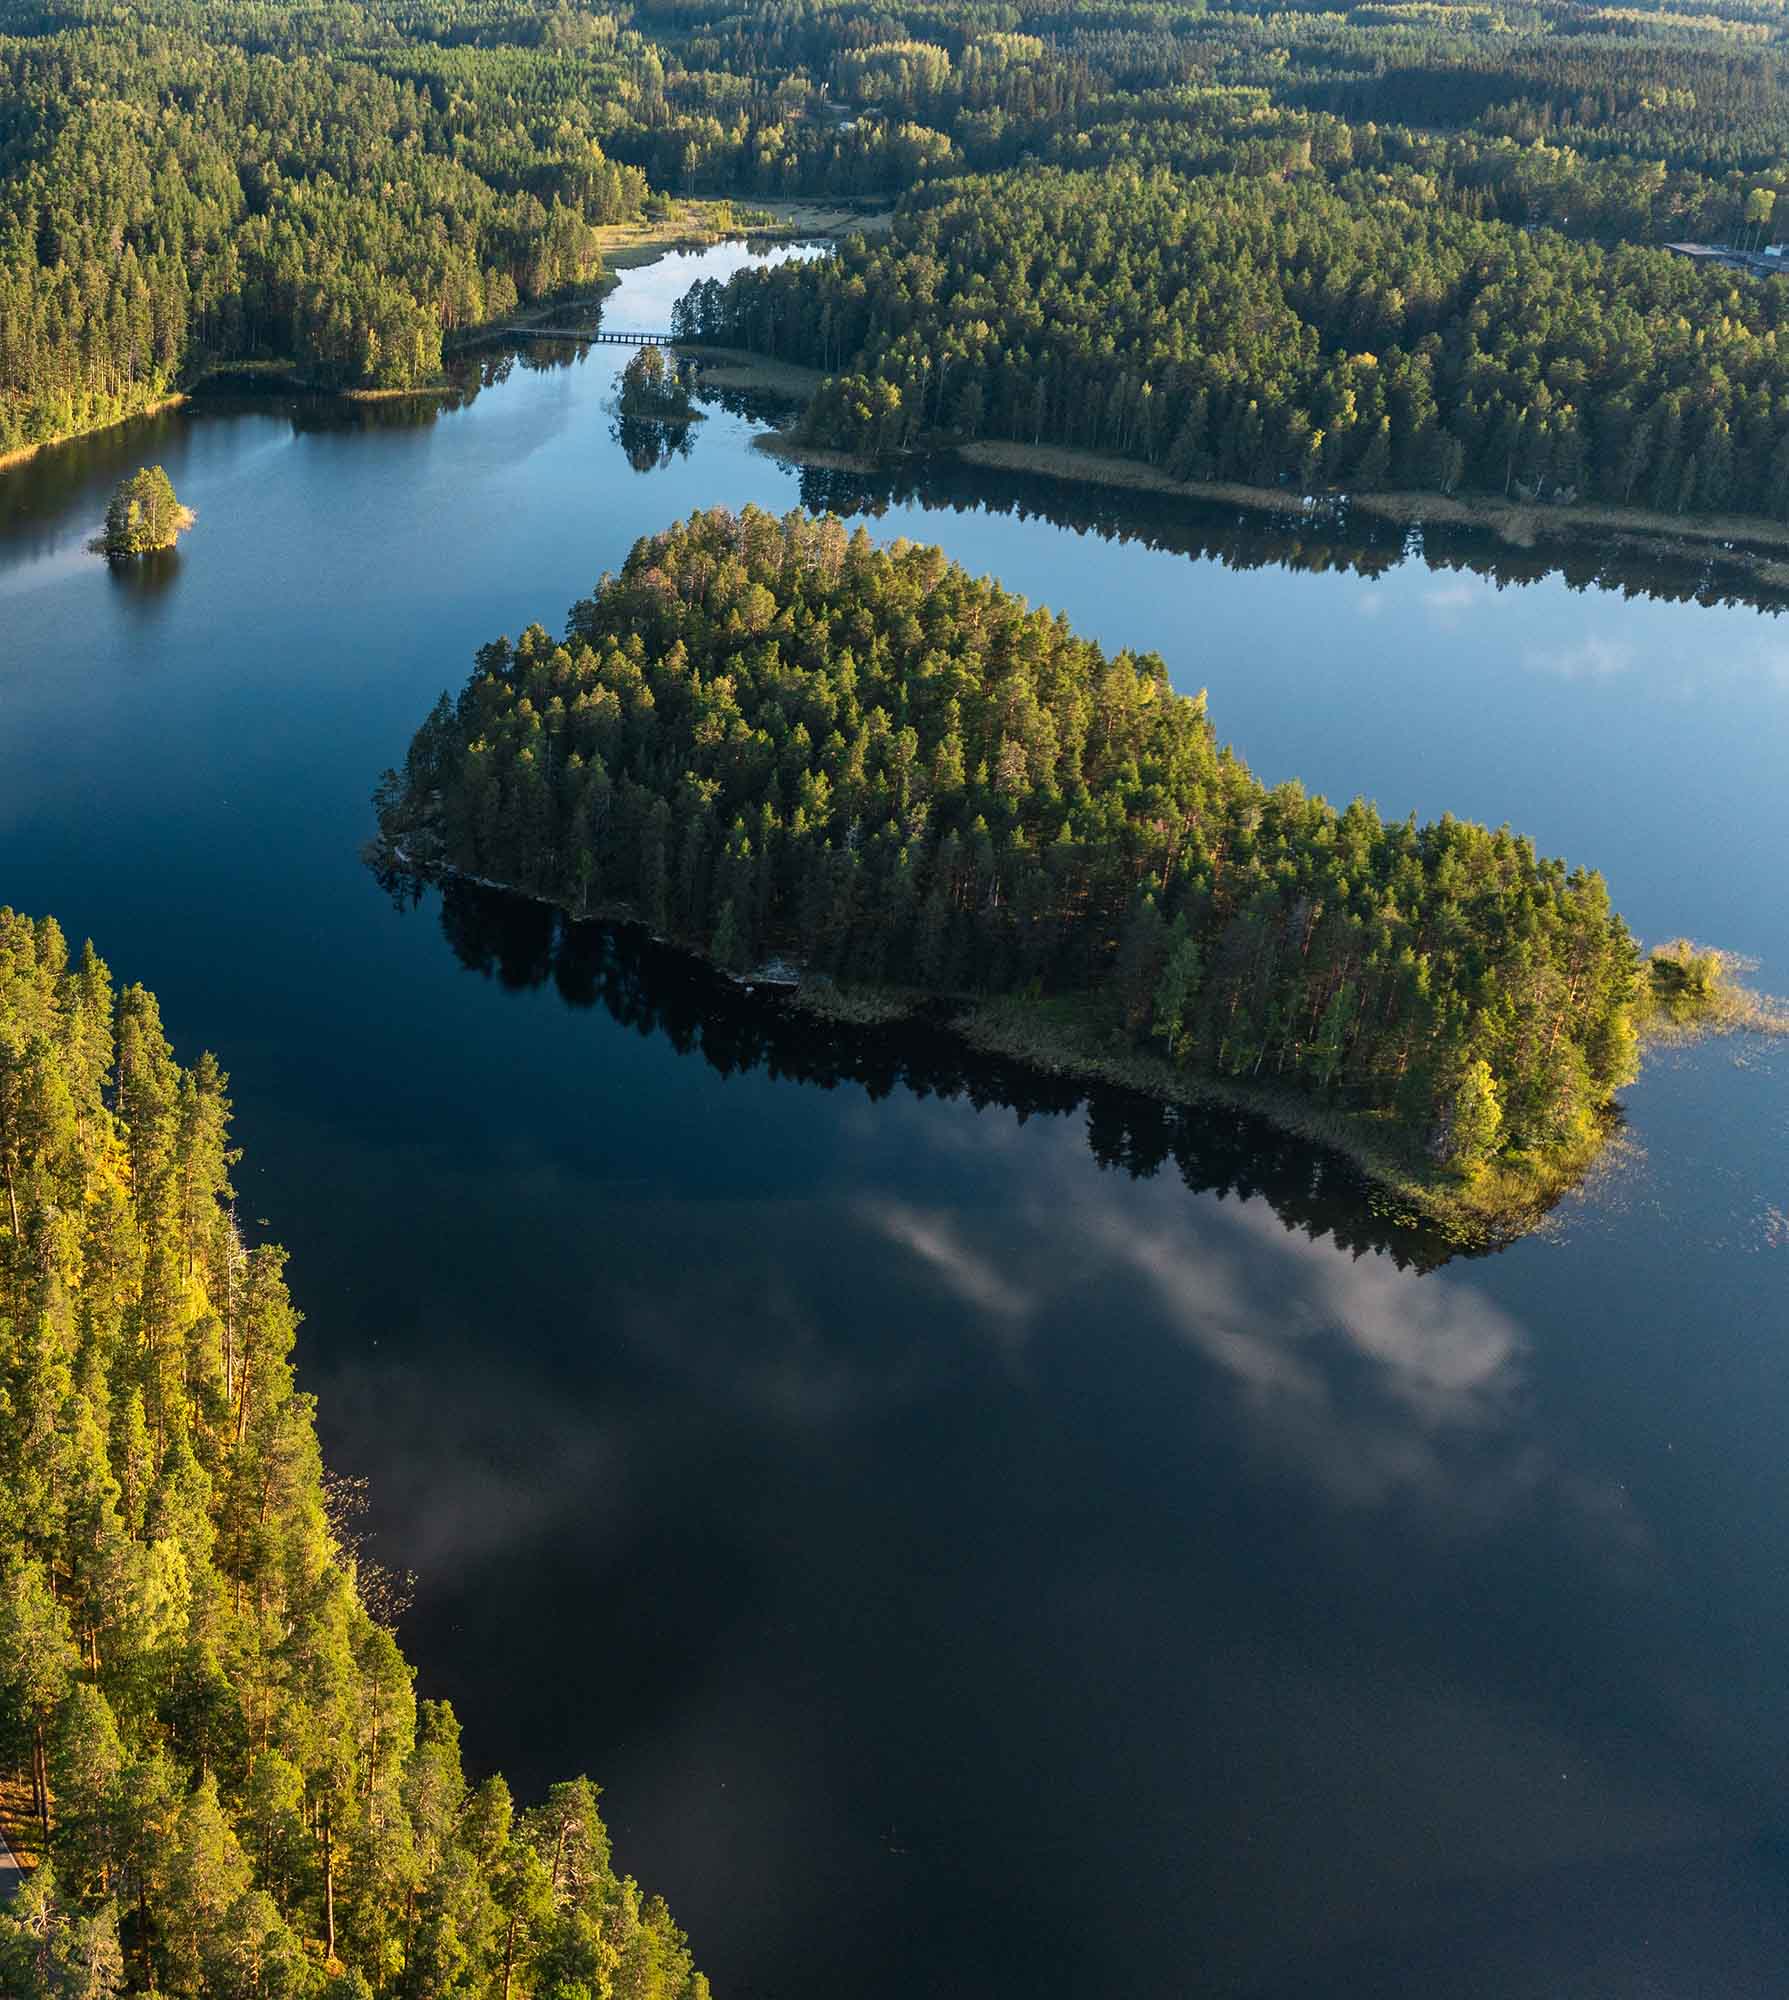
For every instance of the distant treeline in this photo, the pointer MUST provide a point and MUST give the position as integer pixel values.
(771, 735)
(229, 1786)
(1263, 331)
(1637, 122)
(341, 186)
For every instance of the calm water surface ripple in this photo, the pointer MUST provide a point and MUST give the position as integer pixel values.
(985, 1544)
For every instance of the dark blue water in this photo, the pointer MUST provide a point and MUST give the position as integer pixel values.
(983, 1544)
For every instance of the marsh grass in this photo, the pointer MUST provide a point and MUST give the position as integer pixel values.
(1692, 990)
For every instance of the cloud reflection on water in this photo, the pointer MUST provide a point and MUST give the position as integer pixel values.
(1368, 1379)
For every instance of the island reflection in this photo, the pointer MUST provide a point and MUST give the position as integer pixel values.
(657, 990)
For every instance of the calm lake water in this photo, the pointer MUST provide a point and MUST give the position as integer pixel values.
(985, 1544)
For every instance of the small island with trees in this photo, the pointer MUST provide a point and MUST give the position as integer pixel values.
(771, 737)
(143, 517)
(653, 385)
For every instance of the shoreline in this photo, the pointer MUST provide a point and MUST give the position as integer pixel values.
(1745, 541)
(1502, 1207)
(388, 395)
(24, 453)
(624, 247)
(740, 368)
(1520, 524)
(778, 444)
(1052, 1038)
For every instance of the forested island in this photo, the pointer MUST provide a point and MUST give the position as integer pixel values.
(770, 737)
(653, 387)
(227, 1782)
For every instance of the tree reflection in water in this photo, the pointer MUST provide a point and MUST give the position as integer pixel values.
(658, 990)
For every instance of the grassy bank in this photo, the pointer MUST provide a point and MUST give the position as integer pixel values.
(1074, 1036)
(739, 368)
(778, 444)
(854, 1006)
(1745, 540)
(697, 224)
(694, 226)
(395, 395)
(779, 215)
(1520, 525)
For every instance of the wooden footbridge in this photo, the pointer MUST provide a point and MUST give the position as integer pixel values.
(610, 335)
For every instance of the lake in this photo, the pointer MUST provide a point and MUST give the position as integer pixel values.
(984, 1542)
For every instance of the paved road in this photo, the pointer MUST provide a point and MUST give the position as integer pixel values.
(11, 1874)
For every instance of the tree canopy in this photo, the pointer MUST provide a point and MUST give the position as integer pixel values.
(773, 736)
(1248, 328)
(214, 185)
(653, 387)
(143, 515)
(351, 189)
(236, 1788)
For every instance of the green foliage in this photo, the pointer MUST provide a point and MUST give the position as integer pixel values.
(50, 1950)
(237, 1790)
(1682, 978)
(346, 186)
(209, 185)
(772, 735)
(1254, 329)
(1471, 1120)
(143, 515)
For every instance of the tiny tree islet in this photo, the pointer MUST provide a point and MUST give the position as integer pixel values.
(143, 517)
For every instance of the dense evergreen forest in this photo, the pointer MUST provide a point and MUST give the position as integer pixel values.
(204, 186)
(230, 1784)
(346, 186)
(768, 736)
(1265, 330)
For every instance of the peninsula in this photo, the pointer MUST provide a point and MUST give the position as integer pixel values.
(232, 1785)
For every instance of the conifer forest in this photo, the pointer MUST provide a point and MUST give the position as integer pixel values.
(768, 736)
(1313, 1529)
(233, 1786)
